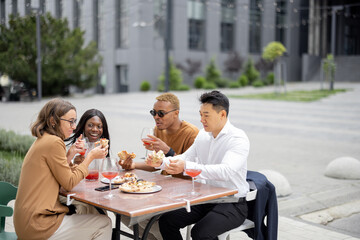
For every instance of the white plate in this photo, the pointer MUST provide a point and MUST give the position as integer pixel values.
(106, 181)
(155, 188)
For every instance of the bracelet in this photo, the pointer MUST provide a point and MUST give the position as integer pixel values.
(170, 153)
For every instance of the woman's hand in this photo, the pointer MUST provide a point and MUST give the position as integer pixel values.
(98, 152)
(77, 147)
(127, 164)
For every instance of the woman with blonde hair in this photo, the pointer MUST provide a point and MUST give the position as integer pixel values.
(38, 213)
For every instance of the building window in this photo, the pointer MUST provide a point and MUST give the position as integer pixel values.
(196, 16)
(227, 25)
(121, 23)
(2, 12)
(27, 7)
(42, 6)
(122, 83)
(14, 7)
(255, 26)
(76, 14)
(280, 21)
(96, 29)
(58, 8)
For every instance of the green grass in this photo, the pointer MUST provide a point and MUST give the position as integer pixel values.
(294, 96)
(10, 167)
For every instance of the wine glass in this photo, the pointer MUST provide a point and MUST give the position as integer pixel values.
(144, 137)
(193, 172)
(109, 169)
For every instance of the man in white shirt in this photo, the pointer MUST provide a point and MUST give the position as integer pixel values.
(220, 150)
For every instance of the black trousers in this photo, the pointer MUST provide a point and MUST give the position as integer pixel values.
(210, 220)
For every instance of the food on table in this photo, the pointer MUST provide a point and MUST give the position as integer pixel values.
(157, 157)
(123, 155)
(137, 186)
(127, 177)
(103, 142)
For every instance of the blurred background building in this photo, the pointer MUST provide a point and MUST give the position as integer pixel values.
(130, 34)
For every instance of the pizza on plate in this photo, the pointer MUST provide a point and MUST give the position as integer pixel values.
(127, 177)
(141, 186)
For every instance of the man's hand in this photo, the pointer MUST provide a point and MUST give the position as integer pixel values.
(149, 161)
(127, 164)
(176, 166)
(156, 144)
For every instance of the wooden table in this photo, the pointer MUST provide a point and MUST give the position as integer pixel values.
(148, 205)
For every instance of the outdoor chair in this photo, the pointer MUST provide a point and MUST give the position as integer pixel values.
(251, 196)
(7, 193)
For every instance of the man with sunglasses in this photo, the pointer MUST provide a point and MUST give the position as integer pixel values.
(171, 135)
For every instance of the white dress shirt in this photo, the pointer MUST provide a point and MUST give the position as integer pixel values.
(223, 160)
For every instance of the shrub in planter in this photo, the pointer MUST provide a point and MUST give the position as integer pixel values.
(199, 82)
(243, 80)
(258, 83)
(234, 85)
(145, 86)
(209, 86)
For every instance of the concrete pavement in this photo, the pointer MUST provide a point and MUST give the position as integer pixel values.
(296, 139)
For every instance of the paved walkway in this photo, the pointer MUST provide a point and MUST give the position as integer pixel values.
(296, 139)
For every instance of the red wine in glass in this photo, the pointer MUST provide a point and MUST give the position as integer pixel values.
(93, 175)
(109, 169)
(193, 173)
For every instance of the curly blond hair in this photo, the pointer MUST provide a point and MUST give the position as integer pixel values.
(171, 98)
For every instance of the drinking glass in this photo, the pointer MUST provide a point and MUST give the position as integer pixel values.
(109, 169)
(86, 142)
(144, 137)
(193, 172)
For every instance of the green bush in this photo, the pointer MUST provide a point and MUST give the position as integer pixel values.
(209, 85)
(212, 73)
(258, 83)
(12, 142)
(199, 82)
(234, 84)
(183, 87)
(270, 78)
(175, 78)
(243, 80)
(221, 82)
(273, 50)
(251, 72)
(10, 167)
(145, 86)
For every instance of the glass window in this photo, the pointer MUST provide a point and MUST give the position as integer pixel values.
(96, 19)
(42, 6)
(27, 7)
(76, 13)
(14, 7)
(121, 22)
(255, 26)
(227, 25)
(280, 21)
(122, 78)
(58, 8)
(196, 16)
(2, 12)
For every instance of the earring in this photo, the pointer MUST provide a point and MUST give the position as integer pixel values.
(53, 126)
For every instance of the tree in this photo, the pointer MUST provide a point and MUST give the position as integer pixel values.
(329, 68)
(250, 71)
(65, 61)
(272, 52)
(193, 67)
(175, 78)
(212, 73)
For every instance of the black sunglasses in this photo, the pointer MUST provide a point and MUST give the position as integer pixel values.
(160, 113)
